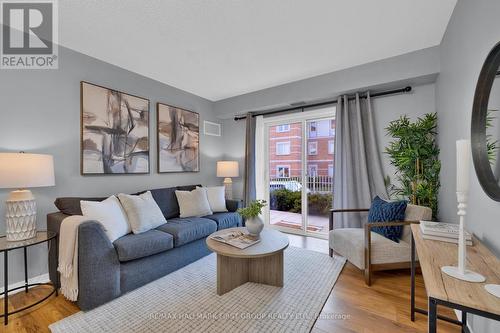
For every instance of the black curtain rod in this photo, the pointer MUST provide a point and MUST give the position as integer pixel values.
(329, 102)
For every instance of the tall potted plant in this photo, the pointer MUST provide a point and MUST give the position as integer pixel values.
(415, 154)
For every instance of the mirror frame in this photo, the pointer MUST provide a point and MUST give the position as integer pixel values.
(482, 164)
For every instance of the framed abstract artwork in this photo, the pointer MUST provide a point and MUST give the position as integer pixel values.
(178, 133)
(114, 131)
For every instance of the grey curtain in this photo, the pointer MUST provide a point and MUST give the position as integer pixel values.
(358, 169)
(249, 184)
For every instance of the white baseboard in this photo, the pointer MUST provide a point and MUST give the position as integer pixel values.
(44, 278)
(458, 313)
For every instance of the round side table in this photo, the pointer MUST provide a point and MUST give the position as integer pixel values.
(6, 247)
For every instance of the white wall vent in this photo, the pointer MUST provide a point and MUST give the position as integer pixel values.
(213, 129)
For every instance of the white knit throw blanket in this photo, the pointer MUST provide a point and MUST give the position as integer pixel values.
(68, 255)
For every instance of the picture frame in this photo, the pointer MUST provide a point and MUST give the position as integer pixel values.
(114, 131)
(178, 139)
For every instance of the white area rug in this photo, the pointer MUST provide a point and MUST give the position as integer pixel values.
(185, 301)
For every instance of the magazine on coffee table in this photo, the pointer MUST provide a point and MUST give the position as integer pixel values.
(238, 238)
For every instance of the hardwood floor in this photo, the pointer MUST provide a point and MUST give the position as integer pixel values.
(383, 307)
(351, 306)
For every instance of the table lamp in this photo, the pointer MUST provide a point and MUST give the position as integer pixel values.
(21, 171)
(228, 169)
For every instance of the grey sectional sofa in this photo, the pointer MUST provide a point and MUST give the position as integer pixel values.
(107, 270)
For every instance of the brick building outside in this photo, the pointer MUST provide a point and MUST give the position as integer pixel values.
(285, 149)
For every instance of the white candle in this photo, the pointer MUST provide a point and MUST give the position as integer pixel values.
(463, 165)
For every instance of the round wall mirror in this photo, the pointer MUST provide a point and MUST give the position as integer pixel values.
(485, 131)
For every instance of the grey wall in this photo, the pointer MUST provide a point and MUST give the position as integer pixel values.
(234, 150)
(419, 68)
(415, 104)
(40, 112)
(473, 30)
(415, 67)
(388, 108)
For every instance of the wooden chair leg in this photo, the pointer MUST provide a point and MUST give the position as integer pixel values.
(368, 276)
(368, 255)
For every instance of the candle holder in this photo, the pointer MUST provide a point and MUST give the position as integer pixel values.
(493, 289)
(461, 272)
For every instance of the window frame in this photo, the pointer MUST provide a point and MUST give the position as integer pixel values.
(283, 166)
(330, 167)
(309, 167)
(315, 143)
(332, 128)
(279, 128)
(331, 143)
(311, 123)
(278, 143)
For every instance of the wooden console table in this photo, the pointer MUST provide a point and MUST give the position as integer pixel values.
(450, 292)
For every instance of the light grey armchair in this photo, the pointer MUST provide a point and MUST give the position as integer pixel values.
(370, 251)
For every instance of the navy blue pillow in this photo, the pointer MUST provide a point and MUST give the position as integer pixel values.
(383, 211)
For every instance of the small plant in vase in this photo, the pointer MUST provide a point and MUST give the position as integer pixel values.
(251, 214)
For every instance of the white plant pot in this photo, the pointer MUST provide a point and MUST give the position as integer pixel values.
(254, 225)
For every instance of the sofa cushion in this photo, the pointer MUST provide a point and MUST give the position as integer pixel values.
(186, 230)
(135, 246)
(226, 220)
(187, 187)
(193, 203)
(110, 214)
(142, 211)
(71, 205)
(166, 200)
(216, 198)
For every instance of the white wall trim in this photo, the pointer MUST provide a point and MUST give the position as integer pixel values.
(44, 278)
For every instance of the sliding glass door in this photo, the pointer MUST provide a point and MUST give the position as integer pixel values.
(285, 175)
(320, 136)
(300, 167)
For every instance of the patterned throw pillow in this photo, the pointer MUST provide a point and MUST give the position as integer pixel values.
(383, 211)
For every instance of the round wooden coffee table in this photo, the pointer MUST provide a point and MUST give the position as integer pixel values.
(259, 263)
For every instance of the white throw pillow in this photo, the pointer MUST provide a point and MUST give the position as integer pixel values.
(216, 198)
(110, 214)
(142, 211)
(193, 203)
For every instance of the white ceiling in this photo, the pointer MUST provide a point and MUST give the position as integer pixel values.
(222, 48)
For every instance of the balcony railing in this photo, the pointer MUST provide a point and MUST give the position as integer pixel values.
(314, 183)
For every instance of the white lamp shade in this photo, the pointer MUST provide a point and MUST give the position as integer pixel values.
(227, 169)
(20, 170)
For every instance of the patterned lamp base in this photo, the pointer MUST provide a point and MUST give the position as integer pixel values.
(20, 215)
(228, 184)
